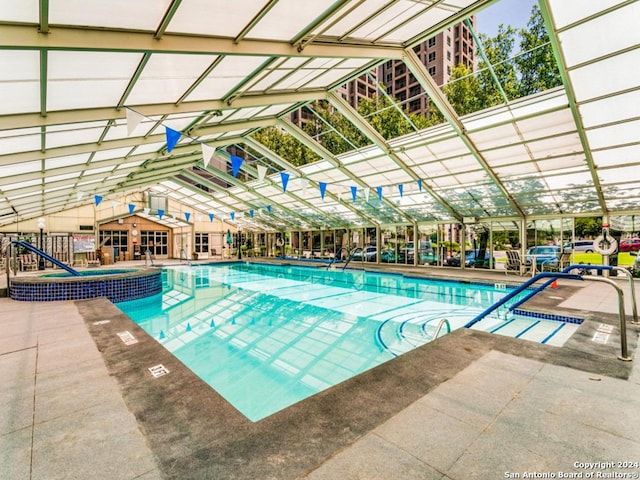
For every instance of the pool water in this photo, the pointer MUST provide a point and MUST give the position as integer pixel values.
(266, 337)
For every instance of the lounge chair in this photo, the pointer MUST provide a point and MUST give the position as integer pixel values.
(28, 262)
(92, 259)
(556, 264)
(515, 264)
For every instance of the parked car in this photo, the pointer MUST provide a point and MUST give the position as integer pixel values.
(543, 254)
(369, 254)
(629, 245)
(425, 252)
(579, 246)
(472, 259)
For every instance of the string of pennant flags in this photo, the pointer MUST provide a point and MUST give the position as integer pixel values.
(172, 136)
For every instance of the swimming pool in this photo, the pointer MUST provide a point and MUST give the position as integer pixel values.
(265, 337)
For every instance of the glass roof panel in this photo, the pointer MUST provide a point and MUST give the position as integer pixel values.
(387, 19)
(418, 25)
(19, 78)
(610, 109)
(565, 13)
(21, 12)
(166, 77)
(202, 17)
(73, 137)
(87, 79)
(614, 156)
(228, 73)
(287, 18)
(69, 160)
(601, 42)
(614, 135)
(22, 140)
(138, 15)
(588, 80)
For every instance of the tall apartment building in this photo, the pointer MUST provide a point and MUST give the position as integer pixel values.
(439, 55)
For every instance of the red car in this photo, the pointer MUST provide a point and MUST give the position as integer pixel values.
(630, 245)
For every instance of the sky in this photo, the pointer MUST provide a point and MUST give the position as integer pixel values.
(507, 12)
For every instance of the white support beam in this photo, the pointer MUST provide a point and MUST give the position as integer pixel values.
(72, 38)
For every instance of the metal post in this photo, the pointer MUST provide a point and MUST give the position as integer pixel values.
(41, 226)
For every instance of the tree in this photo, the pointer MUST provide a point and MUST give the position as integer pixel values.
(498, 52)
(462, 90)
(537, 66)
(285, 146)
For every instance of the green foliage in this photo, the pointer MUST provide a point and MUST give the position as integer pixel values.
(588, 227)
(537, 65)
(285, 146)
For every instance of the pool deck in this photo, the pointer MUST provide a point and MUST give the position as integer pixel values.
(76, 402)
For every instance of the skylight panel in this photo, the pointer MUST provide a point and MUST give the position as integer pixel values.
(19, 77)
(78, 79)
(231, 71)
(287, 18)
(566, 13)
(23, 140)
(166, 77)
(214, 17)
(138, 15)
(593, 80)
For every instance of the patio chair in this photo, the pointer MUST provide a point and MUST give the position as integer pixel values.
(92, 259)
(28, 262)
(62, 257)
(557, 264)
(515, 264)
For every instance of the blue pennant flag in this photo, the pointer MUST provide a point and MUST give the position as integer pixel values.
(323, 189)
(269, 208)
(420, 185)
(236, 163)
(211, 215)
(98, 200)
(160, 214)
(132, 207)
(354, 193)
(187, 215)
(251, 213)
(379, 190)
(401, 189)
(233, 216)
(285, 179)
(172, 138)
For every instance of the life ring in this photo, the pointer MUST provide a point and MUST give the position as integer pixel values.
(605, 247)
(279, 242)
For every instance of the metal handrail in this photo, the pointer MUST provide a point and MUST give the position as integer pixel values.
(555, 275)
(442, 322)
(353, 252)
(335, 258)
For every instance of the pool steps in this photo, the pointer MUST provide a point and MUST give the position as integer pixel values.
(400, 336)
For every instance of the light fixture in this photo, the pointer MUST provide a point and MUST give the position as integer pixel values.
(41, 225)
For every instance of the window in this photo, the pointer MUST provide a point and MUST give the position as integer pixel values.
(201, 243)
(432, 42)
(448, 40)
(156, 241)
(448, 56)
(118, 239)
(432, 71)
(432, 57)
(157, 202)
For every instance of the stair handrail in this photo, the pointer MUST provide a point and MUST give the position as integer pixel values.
(335, 258)
(353, 252)
(443, 321)
(519, 289)
(624, 355)
(582, 266)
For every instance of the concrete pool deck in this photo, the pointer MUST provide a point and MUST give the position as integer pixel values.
(79, 403)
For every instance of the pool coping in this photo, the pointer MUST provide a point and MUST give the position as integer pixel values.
(195, 433)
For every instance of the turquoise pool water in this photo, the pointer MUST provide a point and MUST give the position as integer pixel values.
(265, 337)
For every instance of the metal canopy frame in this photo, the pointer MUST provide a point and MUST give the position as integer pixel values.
(73, 74)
